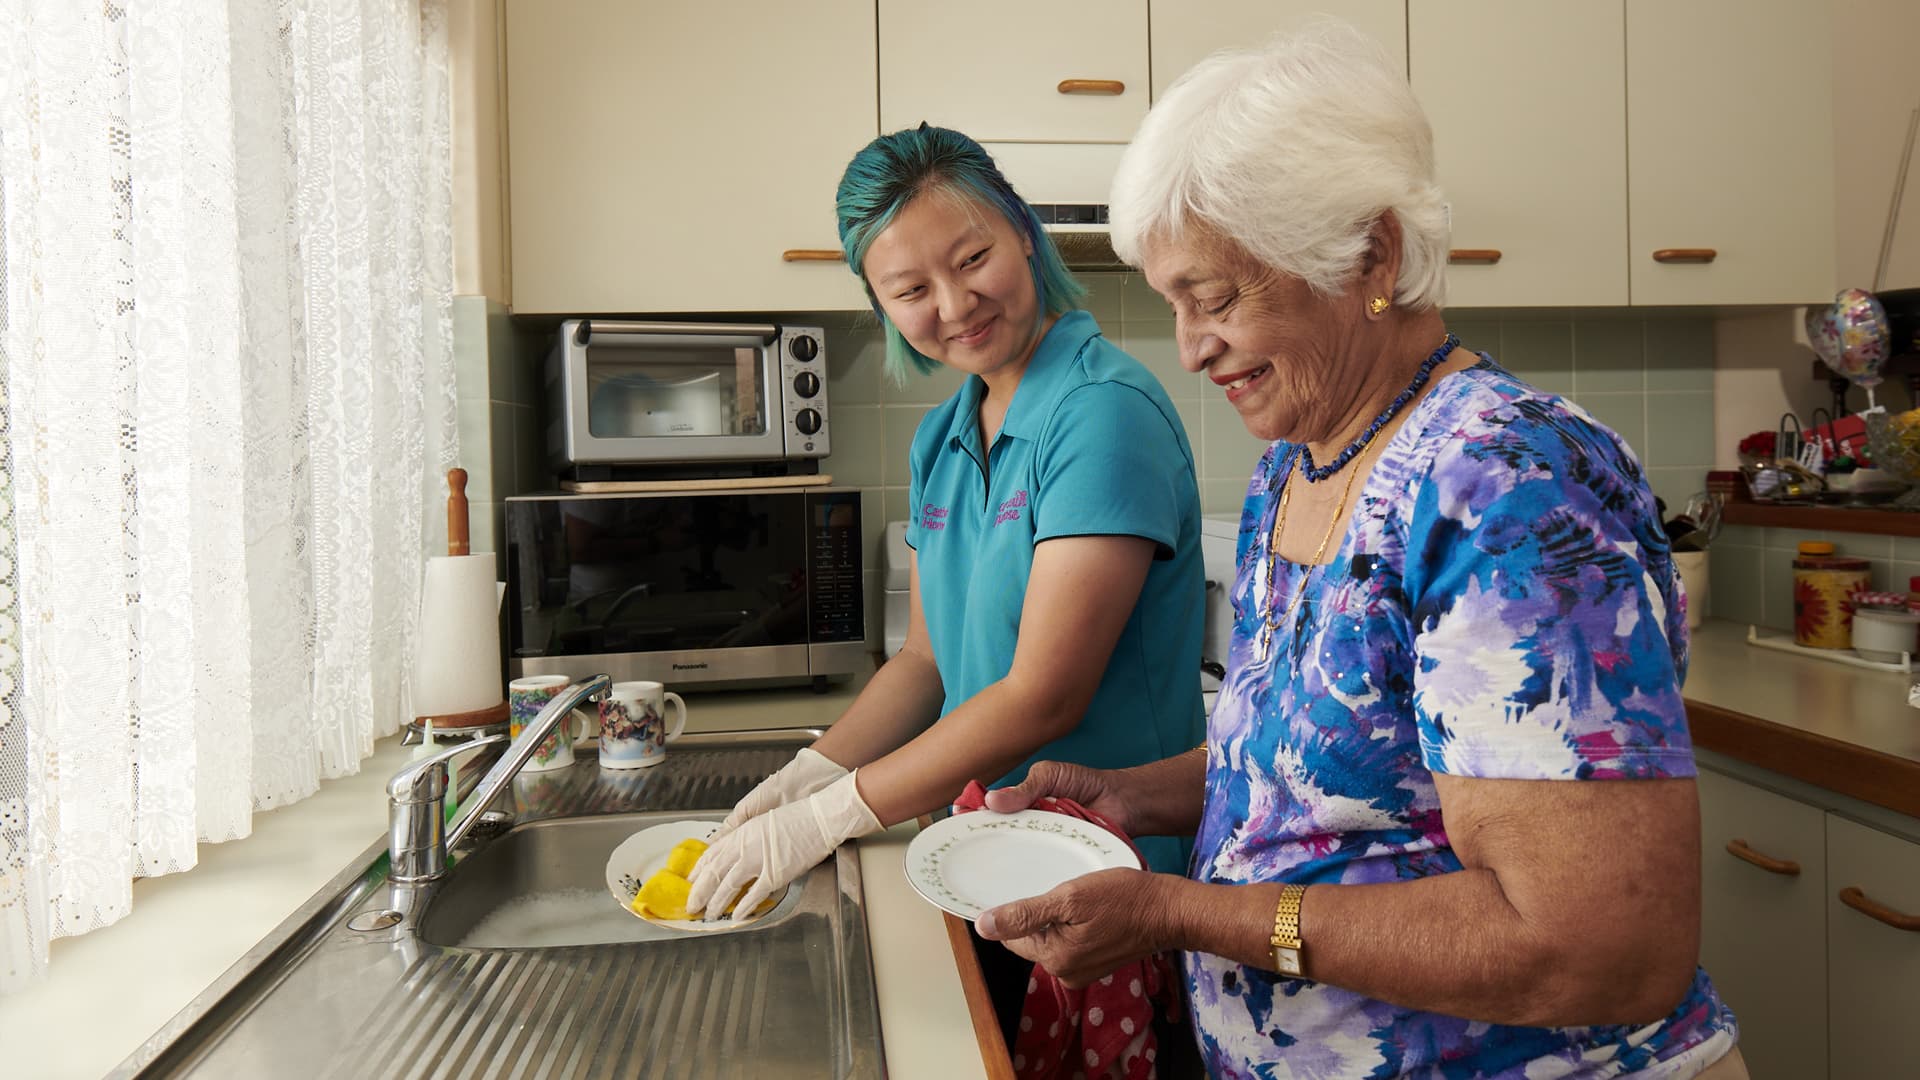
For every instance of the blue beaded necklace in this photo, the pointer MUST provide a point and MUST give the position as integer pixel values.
(1315, 474)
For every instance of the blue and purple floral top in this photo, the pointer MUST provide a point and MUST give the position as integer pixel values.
(1503, 605)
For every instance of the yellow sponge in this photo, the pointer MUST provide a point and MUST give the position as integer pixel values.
(664, 896)
(684, 854)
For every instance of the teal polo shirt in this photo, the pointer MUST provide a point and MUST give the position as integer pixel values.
(1091, 446)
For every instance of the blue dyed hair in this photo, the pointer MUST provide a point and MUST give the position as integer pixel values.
(891, 170)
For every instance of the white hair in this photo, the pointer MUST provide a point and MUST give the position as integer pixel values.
(1293, 150)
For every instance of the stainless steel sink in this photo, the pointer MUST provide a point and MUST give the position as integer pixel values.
(374, 979)
(544, 885)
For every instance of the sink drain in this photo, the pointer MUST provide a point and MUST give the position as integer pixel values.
(374, 920)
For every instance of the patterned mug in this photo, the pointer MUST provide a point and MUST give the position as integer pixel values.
(632, 733)
(525, 698)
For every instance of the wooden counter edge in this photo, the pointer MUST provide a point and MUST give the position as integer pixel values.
(1844, 768)
(973, 983)
(994, 1057)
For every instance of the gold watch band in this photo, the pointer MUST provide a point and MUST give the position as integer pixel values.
(1288, 950)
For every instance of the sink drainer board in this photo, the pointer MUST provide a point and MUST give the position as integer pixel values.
(789, 995)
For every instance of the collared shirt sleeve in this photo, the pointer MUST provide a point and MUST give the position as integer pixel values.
(1112, 463)
(1547, 634)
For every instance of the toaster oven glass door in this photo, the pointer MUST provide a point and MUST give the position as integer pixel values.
(665, 386)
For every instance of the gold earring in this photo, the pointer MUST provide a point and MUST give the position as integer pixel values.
(1379, 304)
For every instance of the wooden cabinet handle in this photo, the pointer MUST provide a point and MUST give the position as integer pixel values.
(812, 255)
(1112, 87)
(1685, 255)
(1488, 256)
(1873, 909)
(1784, 867)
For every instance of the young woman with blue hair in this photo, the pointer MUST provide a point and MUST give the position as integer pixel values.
(1056, 598)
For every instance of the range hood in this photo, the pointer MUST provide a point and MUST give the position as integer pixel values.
(1066, 183)
(1083, 244)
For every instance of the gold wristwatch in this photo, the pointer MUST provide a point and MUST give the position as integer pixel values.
(1288, 952)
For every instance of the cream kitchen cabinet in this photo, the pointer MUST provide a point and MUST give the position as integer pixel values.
(1185, 31)
(1763, 916)
(1730, 145)
(1873, 951)
(1057, 71)
(1810, 931)
(681, 156)
(1528, 107)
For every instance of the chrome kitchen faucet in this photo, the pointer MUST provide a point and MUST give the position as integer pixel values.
(417, 837)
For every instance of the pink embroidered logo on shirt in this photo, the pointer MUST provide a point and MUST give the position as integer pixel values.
(1010, 510)
(933, 517)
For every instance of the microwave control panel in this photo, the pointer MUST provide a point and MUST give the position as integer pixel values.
(803, 390)
(833, 568)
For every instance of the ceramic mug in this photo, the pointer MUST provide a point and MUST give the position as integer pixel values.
(525, 698)
(632, 733)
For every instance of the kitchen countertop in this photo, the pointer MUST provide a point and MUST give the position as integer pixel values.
(1843, 728)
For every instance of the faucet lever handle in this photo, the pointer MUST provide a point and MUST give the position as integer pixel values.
(425, 780)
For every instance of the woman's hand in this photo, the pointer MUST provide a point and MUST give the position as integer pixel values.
(808, 772)
(767, 852)
(1087, 927)
(1104, 791)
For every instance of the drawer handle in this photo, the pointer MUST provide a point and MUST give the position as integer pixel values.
(1488, 256)
(812, 255)
(1784, 867)
(1868, 906)
(1112, 87)
(1685, 255)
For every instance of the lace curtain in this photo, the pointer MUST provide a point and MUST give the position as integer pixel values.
(225, 268)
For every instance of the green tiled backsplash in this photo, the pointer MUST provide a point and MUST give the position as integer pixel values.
(1751, 569)
(1649, 377)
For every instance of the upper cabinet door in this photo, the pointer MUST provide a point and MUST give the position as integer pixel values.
(668, 156)
(1185, 31)
(1527, 103)
(1015, 70)
(1729, 129)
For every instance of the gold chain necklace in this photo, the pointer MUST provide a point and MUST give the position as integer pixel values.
(1273, 549)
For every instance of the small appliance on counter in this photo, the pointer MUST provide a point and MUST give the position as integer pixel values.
(741, 586)
(628, 399)
(896, 583)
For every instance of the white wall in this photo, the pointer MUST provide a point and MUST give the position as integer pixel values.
(1760, 372)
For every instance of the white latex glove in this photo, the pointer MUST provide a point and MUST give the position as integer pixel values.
(778, 846)
(808, 772)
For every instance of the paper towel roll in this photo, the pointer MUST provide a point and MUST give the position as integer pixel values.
(459, 669)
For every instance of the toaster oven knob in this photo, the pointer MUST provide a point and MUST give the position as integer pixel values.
(805, 348)
(807, 421)
(806, 384)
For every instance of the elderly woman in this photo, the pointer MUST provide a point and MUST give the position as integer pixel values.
(1446, 808)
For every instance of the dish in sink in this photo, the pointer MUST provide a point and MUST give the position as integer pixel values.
(648, 852)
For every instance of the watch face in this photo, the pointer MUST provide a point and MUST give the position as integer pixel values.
(1288, 960)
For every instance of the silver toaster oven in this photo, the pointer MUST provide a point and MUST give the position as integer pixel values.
(646, 393)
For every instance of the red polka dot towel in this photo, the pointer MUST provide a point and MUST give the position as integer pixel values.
(1103, 1030)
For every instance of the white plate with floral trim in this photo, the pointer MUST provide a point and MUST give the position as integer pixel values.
(644, 854)
(974, 861)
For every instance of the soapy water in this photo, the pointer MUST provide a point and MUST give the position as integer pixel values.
(567, 917)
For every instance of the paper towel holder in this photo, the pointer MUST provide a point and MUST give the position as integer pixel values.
(459, 543)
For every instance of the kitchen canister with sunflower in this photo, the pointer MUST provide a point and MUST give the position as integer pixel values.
(1823, 588)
